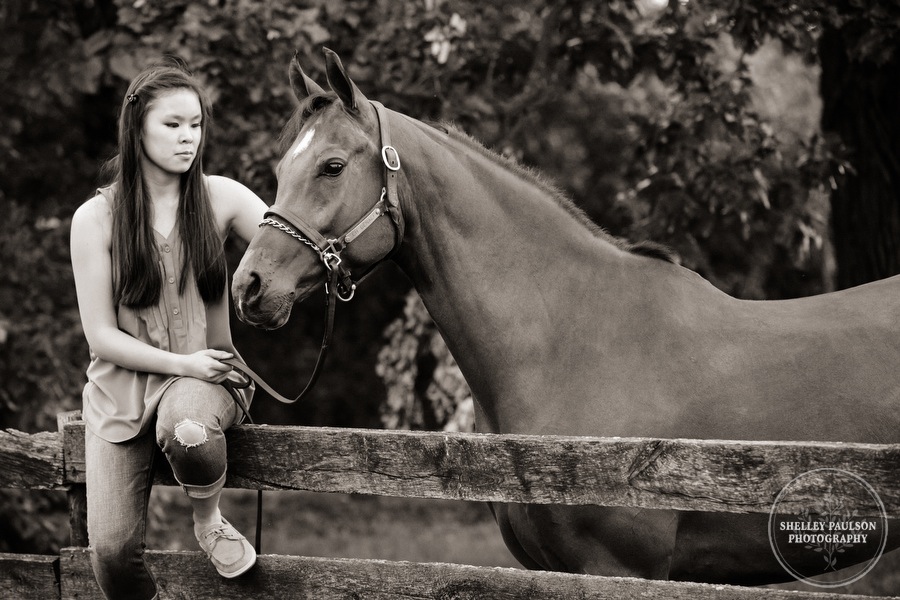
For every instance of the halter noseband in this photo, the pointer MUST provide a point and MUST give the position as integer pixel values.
(340, 283)
(329, 249)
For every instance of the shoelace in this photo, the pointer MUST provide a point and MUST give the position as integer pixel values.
(219, 531)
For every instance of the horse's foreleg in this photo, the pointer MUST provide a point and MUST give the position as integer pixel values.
(626, 542)
(501, 515)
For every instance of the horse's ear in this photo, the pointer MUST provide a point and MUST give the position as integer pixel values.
(302, 85)
(340, 82)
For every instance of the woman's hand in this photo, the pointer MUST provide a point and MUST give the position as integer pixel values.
(206, 365)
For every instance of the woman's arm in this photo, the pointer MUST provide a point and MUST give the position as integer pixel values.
(237, 208)
(92, 267)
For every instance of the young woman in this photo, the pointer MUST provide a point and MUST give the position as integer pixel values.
(150, 275)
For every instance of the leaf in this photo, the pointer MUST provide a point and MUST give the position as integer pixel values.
(87, 76)
(124, 65)
(316, 33)
(98, 42)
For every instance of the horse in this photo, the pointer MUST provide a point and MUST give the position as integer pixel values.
(562, 329)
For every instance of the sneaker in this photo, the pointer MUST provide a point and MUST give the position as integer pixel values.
(229, 551)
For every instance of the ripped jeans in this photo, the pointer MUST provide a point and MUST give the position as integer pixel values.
(190, 421)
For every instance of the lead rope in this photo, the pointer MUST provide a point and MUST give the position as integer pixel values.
(338, 279)
(233, 390)
(330, 291)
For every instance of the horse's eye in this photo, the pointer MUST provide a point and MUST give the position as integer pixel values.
(333, 168)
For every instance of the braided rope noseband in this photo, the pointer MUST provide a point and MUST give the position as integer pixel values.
(329, 249)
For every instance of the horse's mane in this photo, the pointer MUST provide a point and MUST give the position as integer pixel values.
(645, 248)
(317, 102)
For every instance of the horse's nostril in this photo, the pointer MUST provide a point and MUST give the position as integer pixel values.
(252, 289)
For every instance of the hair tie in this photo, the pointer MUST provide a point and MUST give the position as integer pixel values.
(132, 98)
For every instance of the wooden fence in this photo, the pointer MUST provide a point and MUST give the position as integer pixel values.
(738, 477)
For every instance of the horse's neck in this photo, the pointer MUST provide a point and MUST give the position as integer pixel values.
(506, 273)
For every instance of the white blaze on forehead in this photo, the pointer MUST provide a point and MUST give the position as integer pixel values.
(304, 143)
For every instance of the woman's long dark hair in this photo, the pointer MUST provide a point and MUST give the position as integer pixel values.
(137, 280)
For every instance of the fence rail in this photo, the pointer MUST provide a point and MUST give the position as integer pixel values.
(706, 475)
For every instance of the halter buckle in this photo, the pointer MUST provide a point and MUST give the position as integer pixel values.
(332, 261)
(390, 157)
(331, 253)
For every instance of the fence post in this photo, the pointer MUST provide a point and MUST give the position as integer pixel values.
(76, 492)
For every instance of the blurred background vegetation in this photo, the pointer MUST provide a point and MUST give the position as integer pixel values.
(757, 139)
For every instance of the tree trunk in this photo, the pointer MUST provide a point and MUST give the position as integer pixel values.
(860, 106)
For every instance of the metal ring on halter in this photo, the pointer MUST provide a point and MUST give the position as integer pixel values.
(392, 163)
(329, 250)
(337, 291)
(350, 297)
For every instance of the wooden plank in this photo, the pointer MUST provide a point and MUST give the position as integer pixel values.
(29, 576)
(31, 461)
(706, 475)
(76, 495)
(72, 428)
(189, 575)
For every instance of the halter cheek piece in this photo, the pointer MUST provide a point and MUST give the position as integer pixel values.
(340, 280)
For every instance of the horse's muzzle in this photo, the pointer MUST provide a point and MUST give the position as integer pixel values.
(256, 303)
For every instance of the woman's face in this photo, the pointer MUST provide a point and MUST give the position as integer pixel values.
(172, 131)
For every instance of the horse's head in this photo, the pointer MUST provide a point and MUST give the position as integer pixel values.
(335, 186)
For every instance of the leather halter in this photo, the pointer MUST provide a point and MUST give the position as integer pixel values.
(329, 249)
(340, 282)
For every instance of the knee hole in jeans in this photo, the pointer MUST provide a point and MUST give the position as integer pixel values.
(190, 434)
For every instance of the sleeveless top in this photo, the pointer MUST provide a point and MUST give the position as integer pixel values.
(119, 404)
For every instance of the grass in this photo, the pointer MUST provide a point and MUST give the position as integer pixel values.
(349, 526)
